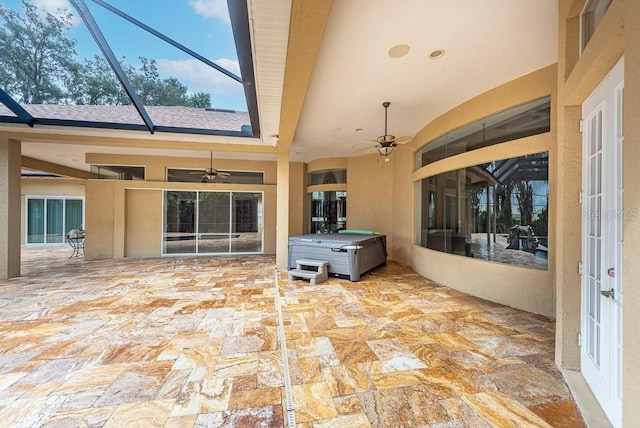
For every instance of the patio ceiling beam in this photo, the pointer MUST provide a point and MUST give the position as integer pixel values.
(95, 31)
(16, 108)
(167, 39)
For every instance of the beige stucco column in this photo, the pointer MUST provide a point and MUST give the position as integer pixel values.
(282, 211)
(10, 158)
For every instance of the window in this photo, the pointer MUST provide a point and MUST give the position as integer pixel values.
(328, 176)
(518, 122)
(115, 172)
(496, 211)
(328, 212)
(50, 218)
(175, 175)
(591, 16)
(212, 222)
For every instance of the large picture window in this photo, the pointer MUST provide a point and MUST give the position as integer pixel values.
(212, 222)
(496, 211)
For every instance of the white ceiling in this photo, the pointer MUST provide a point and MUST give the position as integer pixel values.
(487, 43)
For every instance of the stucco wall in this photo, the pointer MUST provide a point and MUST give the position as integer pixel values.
(297, 204)
(523, 288)
(631, 278)
(143, 222)
(125, 218)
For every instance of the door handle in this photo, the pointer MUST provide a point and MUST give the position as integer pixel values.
(611, 294)
(611, 272)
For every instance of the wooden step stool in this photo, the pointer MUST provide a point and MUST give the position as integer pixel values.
(314, 276)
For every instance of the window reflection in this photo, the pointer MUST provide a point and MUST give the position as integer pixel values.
(328, 212)
(518, 122)
(212, 222)
(116, 172)
(181, 175)
(328, 176)
(496, 211)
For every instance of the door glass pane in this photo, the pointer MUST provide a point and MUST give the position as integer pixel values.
(246, 223)
(180, 221)
(55, 216)
(35, 221)
(328, 212)
(213, 222)
(73, 215)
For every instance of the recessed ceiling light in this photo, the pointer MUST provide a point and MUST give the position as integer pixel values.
(399, 51)
(438, 53)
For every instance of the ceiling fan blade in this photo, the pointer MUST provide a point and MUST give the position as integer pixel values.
(365, 148)
(223, 174)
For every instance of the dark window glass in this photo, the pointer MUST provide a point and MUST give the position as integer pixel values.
(328, 212)
(35, 221)
(179, 223)
(227, 222)
(116, 172)
(496, 211)
(246, 236)
(50, 219)
(328, 176)
(176, 175)
(523, 121)
(593, 12)
(213, 222)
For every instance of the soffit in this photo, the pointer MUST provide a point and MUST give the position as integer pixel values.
(487, 44)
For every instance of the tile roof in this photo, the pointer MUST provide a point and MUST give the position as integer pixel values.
(169, 116)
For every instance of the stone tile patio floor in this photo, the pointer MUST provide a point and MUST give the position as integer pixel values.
(193, 342)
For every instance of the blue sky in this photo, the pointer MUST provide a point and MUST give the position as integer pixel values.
(201, 25)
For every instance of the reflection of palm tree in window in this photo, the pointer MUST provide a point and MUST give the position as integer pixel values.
(503, 207)
(524, 195)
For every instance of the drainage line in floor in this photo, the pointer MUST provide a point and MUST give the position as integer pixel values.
(289, 407)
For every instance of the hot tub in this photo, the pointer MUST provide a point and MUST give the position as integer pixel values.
(348, 255)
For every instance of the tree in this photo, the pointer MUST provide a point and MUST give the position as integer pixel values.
(36, 56)
(38, 66)
(94, 82)
(200, 100)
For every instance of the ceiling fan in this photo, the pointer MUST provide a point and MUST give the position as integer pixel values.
(211, 173)
(387, 142)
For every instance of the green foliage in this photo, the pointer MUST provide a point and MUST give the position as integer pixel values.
(200, 100)
(95, 83)
(38, 66)
(36, 56)
(540, 225)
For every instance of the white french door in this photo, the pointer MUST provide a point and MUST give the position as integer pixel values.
(602, 242)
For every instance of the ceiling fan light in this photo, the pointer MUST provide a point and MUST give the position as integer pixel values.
(386, 150)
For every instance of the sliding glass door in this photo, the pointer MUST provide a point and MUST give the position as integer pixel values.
(212, 222)
(50, 218)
